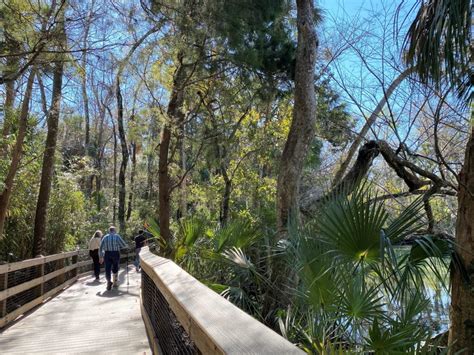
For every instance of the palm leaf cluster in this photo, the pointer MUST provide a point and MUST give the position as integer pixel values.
(363, 292)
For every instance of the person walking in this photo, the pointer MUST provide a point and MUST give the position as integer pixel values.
(109, 252)
(140, 242)
(94, 245)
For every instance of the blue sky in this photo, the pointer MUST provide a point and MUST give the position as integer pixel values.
(371, 55)
(339, 7)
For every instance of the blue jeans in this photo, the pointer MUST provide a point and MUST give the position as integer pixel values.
(137, 257)
(112, 260)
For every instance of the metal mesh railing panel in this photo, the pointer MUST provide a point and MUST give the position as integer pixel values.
(55, 282)
(53, 266)
(22, 298)
(18, 277)
(171, 336)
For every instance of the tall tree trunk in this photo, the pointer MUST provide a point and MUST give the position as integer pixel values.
(48, 161)
(125, 155)
(114, 218)
(164, 190)
(10, 68)
(121, 130)
(100, 157)
(132, 179)
(183, 204)
(151, 159)
(85, 97)
(17, 153)
(47, 170)
(296, 149)
(304, 117)
(462, 297)
(224, 214)
(175, 114)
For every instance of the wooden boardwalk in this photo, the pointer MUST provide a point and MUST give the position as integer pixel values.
(83, 319)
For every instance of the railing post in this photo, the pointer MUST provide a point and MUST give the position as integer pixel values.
(42, 266)
(4, 302)
(75, 259)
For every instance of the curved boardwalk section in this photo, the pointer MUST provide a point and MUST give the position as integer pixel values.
(84, 319)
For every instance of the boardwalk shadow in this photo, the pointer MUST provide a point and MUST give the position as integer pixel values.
(116, 292)
(93, 283)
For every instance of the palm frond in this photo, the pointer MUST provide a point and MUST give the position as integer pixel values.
(407, 223)
(237, 257)
(438, 43)
(391, 341)
(237, 233)
(351, 226)
(191, 229)
(359, 303)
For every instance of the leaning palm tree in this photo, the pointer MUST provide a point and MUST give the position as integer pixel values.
(439, 42)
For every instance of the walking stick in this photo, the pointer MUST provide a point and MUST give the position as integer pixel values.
(128, 252)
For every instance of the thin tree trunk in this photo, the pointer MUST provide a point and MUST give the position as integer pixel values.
(125, 155)
(85, 99)
(85, 96)
(17, 153)
(132, 179)
(39, 234)
(304, 118)
(368, 124)
(10, 67)
(151, 159)
(429, 215)
(114, 218)
(100, 157)
(183, 205)
(164, 186)
(224, 215)
(461, 333)
(48, 162)
(8, 107)
(121, 130)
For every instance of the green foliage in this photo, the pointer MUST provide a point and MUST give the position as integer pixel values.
(371, 296)
(257, 33)
(66, 216)
(238, 233)
(334, 123)
(352, 227)
(438, 43)
(389, 341)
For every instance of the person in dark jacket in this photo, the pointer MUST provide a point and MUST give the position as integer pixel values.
(140, 242)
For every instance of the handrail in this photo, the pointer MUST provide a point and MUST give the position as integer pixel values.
(36, 261)
(215, 325)
(26, 284)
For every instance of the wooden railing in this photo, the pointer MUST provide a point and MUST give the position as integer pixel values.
(28, 283)
(210, 324)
